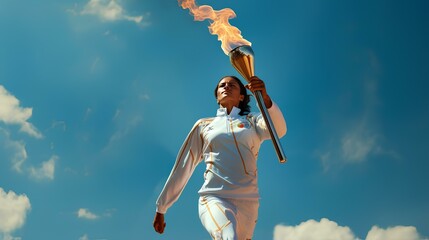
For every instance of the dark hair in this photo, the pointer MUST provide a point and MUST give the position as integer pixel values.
(244, 104)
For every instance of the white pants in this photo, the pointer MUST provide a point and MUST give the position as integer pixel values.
(228, 219)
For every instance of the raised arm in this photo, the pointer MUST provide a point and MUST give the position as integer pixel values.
(256, 84)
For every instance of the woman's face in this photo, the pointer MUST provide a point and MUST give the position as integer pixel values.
(228, 92)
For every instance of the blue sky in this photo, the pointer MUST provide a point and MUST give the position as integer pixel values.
(96, 98)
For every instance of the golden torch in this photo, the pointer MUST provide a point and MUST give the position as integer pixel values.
(242, 58)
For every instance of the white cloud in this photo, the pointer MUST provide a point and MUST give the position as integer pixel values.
(313, 230)
(13, 211)
(12, 113)
(86, 214)
(330, 230)
(109, 11)
(46, 170)
(393, 233)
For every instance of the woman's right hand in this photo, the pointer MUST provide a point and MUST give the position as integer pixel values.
(159, 223)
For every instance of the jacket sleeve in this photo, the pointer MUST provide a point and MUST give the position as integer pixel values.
(187, 159)
(277, 119)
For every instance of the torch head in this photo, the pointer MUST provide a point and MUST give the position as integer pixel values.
(242, 59)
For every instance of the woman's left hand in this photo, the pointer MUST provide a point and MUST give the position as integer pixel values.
(256, 84)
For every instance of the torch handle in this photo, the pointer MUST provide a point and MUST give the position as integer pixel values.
(274, 137)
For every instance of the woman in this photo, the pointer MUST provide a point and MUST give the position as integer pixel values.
(229, 145)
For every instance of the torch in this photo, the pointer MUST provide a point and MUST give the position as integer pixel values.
(242, 58)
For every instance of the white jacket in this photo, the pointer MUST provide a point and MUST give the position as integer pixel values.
(229, 145)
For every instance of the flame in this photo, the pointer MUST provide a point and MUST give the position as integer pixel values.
(230, 36)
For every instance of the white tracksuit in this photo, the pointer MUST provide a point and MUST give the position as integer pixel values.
(229, 145)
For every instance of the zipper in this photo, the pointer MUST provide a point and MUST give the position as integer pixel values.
(228, 125)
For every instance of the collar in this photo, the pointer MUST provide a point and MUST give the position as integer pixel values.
(233, 114)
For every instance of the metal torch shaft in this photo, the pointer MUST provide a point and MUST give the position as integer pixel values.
(274, 137)
(242, 59)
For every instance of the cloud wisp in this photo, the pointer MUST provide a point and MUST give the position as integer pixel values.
(109, 11)
(330, 230)
(46, 170)
(15, 150)
(86, 214)
(122, 131)
(84, 237)
(354, 139)
(127, 119)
